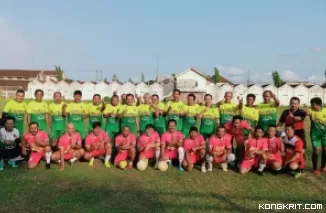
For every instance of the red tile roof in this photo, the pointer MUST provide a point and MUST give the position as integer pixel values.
(13, 84)
(25, 73)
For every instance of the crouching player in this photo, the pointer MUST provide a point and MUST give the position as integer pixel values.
(194, 148)
(149, 145)
(293, 159)
(98, 144)
(70, 147)
(275, 149)
(219, 149)
(125, 144)
(172, 144)
(255, 152)
(38, 143)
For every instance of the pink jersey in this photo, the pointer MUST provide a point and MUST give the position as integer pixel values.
(91, 139)
(220, 144)
(146, 140)
(189, 143)
(256, 144)
(237, 133)
(32, 139)
(274, 145)
(120, 139)
(168, 137)
(65, 140)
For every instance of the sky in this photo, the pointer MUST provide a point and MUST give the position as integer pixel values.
(242, 38)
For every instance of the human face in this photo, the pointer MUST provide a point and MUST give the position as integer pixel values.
(125, 131)
(289, 131)
(208, 100)
(237, 123)
(259, 133)
(294, 105)
(9, 125)
(271, 132)
(39, 96)
(149, 131)
(172, 126)
(250, 101)
(147, 99)
(193, 134)
(228, 97)
(176, 95)
(220, 132)
(33, 129)
(154, 99)
(77, 98)
(20, 97)
(267, 96)
(96, 100)
(130, 100)
(315, 107)
(57, 97)
(97, 131)
(191, 100)
(70, 129)
(123, 98)
(114, 101)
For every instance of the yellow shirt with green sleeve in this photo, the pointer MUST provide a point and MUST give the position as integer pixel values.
(76, 113)
(227, 112)
(189, 119)
(17, 110)
(94, 115)
(38, 112)
(112, 123)
(267, 114)
(208, 123)
(129, 117)
(177, 108)
(250, 114)
(160, 122)
(145, 114)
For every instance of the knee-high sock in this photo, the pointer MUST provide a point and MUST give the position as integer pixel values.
(323, 159)
(48, 157)
(181, 154)
(157, 155)
(314, 159)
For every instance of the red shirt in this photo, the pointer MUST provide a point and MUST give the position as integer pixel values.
(274, 145)
(168, 137)
(65, 140)
(120, 139)
(237, 133)
(253, 144)
(189, 143)
(220, 144)
(147, 140)
(292, 146)
(32, 139)
(92, 139)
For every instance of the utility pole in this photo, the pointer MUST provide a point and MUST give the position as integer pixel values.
(156, 66)
(98, 75)
(248, 77)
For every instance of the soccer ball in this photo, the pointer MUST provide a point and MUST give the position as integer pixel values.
(141, 165)
(123, 164)
(231, 157)
(162, 166)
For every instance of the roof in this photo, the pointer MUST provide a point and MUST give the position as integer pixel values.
(266, 85)
(16, 84)
(25, 73)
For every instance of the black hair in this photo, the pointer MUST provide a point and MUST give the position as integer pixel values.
(251, 96)
(290, 125)
(272, 126)
(129, 94)
(149, 126)
(236, 117)
(193, 129)
(96, 124)
(39, 90)
(192, 95)
(172, 121)
(295, 99)
(206, 95)
(177, 90)
(270, 92)
(96, 95)
(155, 95)
(259, 127)
(317, 101)
(33, 123)
(10, 118)
(78, 92)
(20, 91)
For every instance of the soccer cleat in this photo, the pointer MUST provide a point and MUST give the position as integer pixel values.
(47, 166)
(225, 170)
(71, 163)
(210, 167)
(107, 164)
(203, 169)
(323, 169)
(156, 166)
(91, 162)
(297, 174)
(181, 169)
(317, 173)
(169, 162)
(12, 163)
(130, 166)
(260, 173)
(1, 164)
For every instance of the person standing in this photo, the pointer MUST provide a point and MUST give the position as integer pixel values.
(268, 110)
(227, 108)
(37, 111)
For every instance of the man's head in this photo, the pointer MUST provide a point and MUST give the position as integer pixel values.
(96, 99)
(20, 95)
(172, 125)
(267, 96)
(125, 131)
(176, 94)
(294, 103)
(250, 99)
(259, 132)
(208, 99)
(130, 99)
(228, 97)
(316, 103)
(191, 99)
(155, 98)
(147, 98)
(9, 123)
(236, 121)
(220, 131)
(33, 128)
(70, 128)
(38, 94)
(149, 129)
(123, 98)
(271, 131)
(289, 130)
(96, 128)
(57, 97)
(77, 96)
(114, 100)
(193, 132)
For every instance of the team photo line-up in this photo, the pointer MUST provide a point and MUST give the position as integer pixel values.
(241, 135)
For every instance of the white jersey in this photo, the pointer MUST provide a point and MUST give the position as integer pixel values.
(8, 139)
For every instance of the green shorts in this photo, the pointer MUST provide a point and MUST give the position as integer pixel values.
(318, 139)
(112, 134)
(56, 134)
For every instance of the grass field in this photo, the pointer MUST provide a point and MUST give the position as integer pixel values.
(84, 189)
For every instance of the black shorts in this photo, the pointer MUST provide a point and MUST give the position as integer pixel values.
(9, 153)
(301, 134)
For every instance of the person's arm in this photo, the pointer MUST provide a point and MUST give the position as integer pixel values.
(137, 123)
(240, 105)
(276, 101)
(24, 147)
(210, 149)
(48, 120)
(64, 110)
(28, 119)
(282, 148)
(163, 146)
(140, 145)
(301, 117)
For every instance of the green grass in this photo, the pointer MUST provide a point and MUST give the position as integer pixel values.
(84, 189)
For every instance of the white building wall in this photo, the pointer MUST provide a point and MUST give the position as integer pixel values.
(256, 90)
(103, 89)
(73, 87)
(88, 90)
(211, 89)
(64, 88)
(240, 91)
(142, 88)
(191, 75)
(116, 87)
(301, 92)
(49, 88)
(316, 91)
(128, 88)
(157, 89)
(220, 91)
(284, 94)
(32, 87)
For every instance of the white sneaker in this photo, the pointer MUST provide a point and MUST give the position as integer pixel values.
(225, 170)
(203, 168)
(210, 167)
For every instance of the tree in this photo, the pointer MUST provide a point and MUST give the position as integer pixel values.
(142, 77)
(106, 80)
(115, 78)
(59, 72)
(217, 76)
(277, 80)
(131, 81)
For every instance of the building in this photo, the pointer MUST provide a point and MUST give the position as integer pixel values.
(12, 79)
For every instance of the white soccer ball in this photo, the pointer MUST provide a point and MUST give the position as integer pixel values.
(231, 157)
(141, 165)
(163, 166)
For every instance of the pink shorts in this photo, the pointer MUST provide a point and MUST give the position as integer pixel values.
(149, 154)
(120, 157)
(219, 159)
(248, 164)
(171, 154)
(195, 157)
(98, 152)
(35, 157)
(276, 158)
(68, 156)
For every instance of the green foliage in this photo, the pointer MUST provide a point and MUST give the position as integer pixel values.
(106, 80)
(115, 78)
(217, 76)
(59, 72)
(107, 99)
(277, 80)
(131, 81)
(142, 77)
